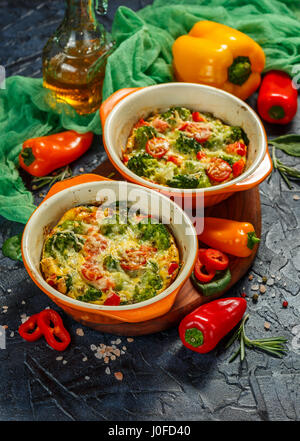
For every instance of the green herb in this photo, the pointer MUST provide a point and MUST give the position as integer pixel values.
(12, 247)
(290, 144)
(58, 175)
(285, 171)
(272, 345)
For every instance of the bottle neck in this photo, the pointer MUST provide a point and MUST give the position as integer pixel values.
(82, 12)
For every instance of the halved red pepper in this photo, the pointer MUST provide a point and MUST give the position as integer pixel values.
(202, 329)
(30, 330)
(52, 327)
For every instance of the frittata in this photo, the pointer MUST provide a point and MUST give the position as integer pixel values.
(109, 256)
(184, 149)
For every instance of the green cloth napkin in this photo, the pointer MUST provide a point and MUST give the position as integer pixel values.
(143, 57)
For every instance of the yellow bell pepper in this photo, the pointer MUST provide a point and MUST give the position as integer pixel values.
(219, 56)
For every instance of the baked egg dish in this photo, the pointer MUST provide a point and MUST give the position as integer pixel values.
(108, 256)
(185, 149)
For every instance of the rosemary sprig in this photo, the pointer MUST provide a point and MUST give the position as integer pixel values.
(58, 175)
(272, 345)
(286, 172)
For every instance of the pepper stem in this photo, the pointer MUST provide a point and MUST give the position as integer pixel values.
(252, 240)
(194, 337)
(239, 71)
(28, 156)
(276, 112)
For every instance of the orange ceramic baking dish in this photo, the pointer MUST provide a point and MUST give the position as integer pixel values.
(86, 189)
(126, 106)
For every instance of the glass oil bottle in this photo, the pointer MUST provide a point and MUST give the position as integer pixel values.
(75, 56)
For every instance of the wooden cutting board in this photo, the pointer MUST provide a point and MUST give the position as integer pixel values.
(242, 206)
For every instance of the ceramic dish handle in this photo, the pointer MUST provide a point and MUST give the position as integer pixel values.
(67, 183)
(257, 177)
(107, 105)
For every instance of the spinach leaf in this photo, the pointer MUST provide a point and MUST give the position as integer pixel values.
(12, 247)
(290, 144)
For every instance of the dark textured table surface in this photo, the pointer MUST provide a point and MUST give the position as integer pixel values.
(161, 379)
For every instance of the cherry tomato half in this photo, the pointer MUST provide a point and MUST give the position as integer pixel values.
(95, 244)
(215, 259)
(157, 147)
(134, 258)
(237, 148)
(198, 132)
(202, 273)
(91, 272)
(175, 159)
(238, 168)
(218, 170)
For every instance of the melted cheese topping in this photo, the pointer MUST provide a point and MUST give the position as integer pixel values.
(93, 254)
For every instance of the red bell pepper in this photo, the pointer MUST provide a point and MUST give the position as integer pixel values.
(202, 329)
(30, 330)
(52, 327)
(277, 98)
(112, 300)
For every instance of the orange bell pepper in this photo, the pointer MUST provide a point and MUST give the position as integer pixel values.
(219, 56)
(40, 156)
(229, 236)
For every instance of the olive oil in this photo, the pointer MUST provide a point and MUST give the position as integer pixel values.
(74, 58)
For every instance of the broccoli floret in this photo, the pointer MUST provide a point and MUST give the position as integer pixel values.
(185, 144)
(68, 282)
(156, 233)
(151, 282)
(235, 134)
(143, 165)
(231, 159)
(170, 115)
(113, 225)
(142, 136)
(75, 226)
(111, 264)
(91, 295)
(183, 181)
(61, 242)
(203, 181)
